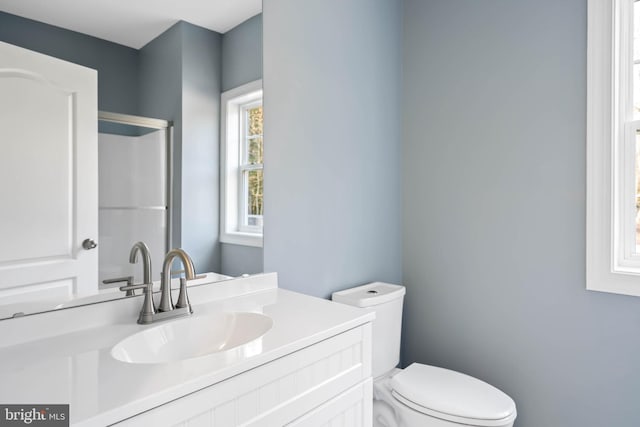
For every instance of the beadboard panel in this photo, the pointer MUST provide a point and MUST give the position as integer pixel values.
(351, 408)
(281, 391)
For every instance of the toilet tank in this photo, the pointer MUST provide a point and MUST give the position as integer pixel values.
(385, 300)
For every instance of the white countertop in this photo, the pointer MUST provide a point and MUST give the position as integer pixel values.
(76, 367)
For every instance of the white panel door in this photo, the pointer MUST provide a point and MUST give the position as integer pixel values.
(48, 174)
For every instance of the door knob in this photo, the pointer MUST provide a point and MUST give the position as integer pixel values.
(89, 244)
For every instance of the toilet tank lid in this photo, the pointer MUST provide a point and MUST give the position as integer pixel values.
(369, 295)
(453, 395)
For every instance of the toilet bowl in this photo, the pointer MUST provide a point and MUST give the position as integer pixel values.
(423, 395)
(420, 395)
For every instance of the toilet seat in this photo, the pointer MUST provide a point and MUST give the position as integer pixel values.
(452, 396)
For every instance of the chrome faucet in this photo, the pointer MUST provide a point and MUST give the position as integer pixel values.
(166, 303)
(141, 247)
(166, 310)
(148, 309)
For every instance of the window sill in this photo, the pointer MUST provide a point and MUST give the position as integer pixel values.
(244, 239)
(615, 283)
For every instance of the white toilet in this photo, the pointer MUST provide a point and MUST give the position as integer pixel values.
(420, 395)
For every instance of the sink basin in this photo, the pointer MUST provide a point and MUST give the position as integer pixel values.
(192, 337)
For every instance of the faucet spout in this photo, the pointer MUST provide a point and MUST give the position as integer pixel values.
(166, 303)
(141, 247)
(148, 307)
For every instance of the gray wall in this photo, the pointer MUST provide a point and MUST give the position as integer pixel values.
(185, 62)
(242, 53)
(241, 64)
(201, 80)
(494, 212)
(237, 260)
(161, 67)
(117, 65)
(332, 159)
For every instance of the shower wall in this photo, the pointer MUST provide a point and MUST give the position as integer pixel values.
(132, 201)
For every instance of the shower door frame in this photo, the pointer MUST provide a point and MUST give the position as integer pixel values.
(159, 124)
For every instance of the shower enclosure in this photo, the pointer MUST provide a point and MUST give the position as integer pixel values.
(135, 188)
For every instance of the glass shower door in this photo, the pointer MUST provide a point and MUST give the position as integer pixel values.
(133, 198)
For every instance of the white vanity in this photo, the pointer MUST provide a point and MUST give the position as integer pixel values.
(312, 366)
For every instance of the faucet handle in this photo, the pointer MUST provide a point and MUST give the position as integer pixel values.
(183, 298)
(148, 307)
(131, 287)
(129, 279)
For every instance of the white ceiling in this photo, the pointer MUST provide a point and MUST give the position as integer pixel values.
(133, 22)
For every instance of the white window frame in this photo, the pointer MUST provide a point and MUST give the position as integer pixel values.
(613, 264)
(232, 207)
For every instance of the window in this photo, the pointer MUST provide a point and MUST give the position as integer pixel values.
(241, 165)
(613, 146)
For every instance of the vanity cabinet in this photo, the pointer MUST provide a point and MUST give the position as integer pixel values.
(312, 368)
(326, 383)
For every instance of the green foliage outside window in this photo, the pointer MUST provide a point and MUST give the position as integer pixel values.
(255, 156)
